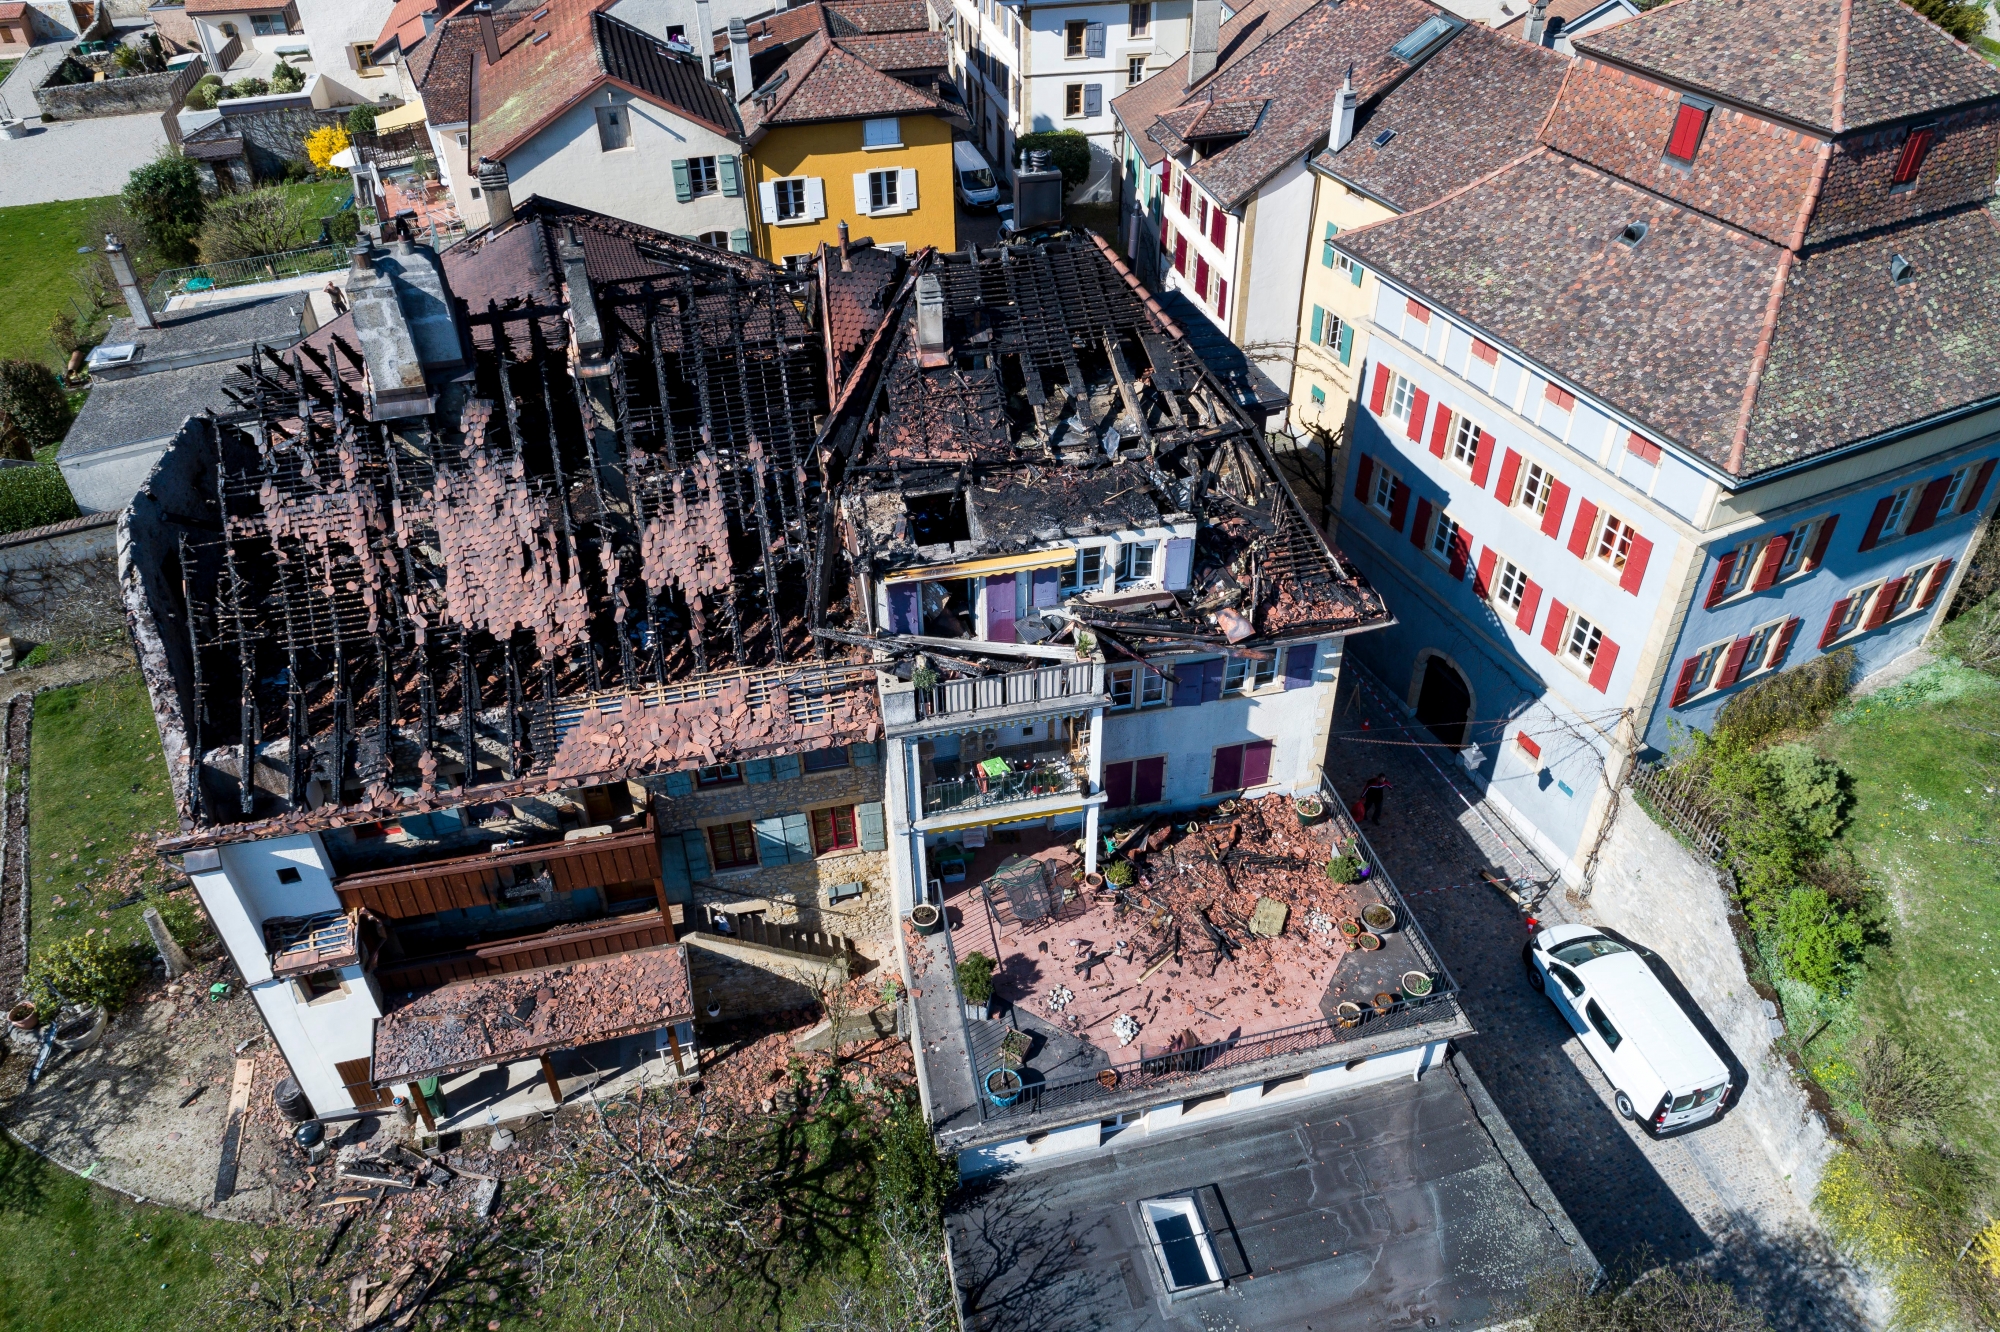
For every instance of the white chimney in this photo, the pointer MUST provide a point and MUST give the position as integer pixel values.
(1203, 34)
(1538, 21)
(739, 59)
(930, 314)
(1343, 114)
(128, 282)
(704, 38)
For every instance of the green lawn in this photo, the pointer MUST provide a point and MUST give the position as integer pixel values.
(97, 798)
(78, 1258)
(40, 242)
(6, 68)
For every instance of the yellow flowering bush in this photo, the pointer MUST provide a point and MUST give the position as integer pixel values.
(323, 143)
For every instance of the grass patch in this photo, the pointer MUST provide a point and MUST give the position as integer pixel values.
(7, 67)
(97, 797)
(40, 242)
(76, 1256)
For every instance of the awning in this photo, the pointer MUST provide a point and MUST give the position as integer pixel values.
(404, 116)
(996, 564)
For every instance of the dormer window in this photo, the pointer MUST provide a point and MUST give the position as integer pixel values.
(1915, 149)
(1690, 123)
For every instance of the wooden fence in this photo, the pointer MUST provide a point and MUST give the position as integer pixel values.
(752, 928)
(1674, 800)
(170, 119)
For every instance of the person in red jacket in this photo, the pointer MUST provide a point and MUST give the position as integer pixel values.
(1371, 797)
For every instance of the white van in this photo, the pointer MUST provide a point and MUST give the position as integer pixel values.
(1665, 1074)
(974, 175)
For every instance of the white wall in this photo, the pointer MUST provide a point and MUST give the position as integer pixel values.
(564, 162)
(332, 27)
(317, 1036)
(1269, 285)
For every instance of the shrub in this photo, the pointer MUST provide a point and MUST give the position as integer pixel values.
(33, 497)
(127, 61)
(1779, 811)
(85, 969)
(361, 122)
(323, 143)
(342, 228)
(1790, 701)
(1905, 1088)
(183, 917)
(1818, 942)
(33, 399)
(251, 87)
(287, 78)
(165, 197)
(1344, 868)
(911, 1172)
(1119, 874)
(1963, 21)
(1068, 150)
(1668, 1299)
(1812, 789)
(261, 222)
(206, 92)
(975, 978)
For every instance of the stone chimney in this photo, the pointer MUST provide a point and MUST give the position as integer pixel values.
(846, 264)
(488, 33)
(930, 317)
(499, 194)
(739, 58)
(394, 367)
(1203, 35)
(1538, 22)
(586, 328)
(128, 282)
(704, 37)
(1342, 131)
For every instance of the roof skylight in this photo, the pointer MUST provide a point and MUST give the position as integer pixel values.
(1428, 34)
(1384, 137)
(1634, 233)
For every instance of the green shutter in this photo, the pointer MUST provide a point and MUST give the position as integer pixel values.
(772, 848)
(1354, 274)
(694, 846)
(1346, 343)
(757, 770)
(863, 755)
(679, 784)
(683, 191)
(732, 177)
(787, 766)
(1326, 245)
(1319, 322)
(874, 836)
(798, 839)
(739, 240)
(674, 869)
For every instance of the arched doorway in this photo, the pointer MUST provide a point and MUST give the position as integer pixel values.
(1444, 702)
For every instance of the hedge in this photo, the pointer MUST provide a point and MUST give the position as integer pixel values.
(33, 497)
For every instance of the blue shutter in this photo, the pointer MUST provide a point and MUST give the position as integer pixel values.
(1048, 588)
(679, 783)
(905, 609)
(1326, 246)
(798, 839)
(1319, 323)
(694, 847)
(874, 836)
(1299, 659)
(863, 754)
(1180, 563)
(1093, 99)
(739, 240)
(683, 191)
(1187, 684)
(674, 876)
(772, 849)
(787, 766)
(1354, 274)
(757, 771)
(1211, 679)
(1093, 42)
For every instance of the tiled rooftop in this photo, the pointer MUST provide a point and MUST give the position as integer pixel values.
(1249, 27)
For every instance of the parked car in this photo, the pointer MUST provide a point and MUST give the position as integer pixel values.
(974, 175)
(1665, 1074)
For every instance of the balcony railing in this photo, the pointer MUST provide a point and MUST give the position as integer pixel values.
(1030, 781)
(1040, 684)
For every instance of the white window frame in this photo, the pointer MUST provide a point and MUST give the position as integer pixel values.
(883, 193)
(1135, 71)
(1130, 559)
(1509, 584)
(1708, 663)
(704, 177)
(1799, 543)
(1914, 579)
(1756, 660)
(1620, 553)
(872, 133)
(1535, 500)
(1859, 603)
(1583, 639)
(1140, 686)
(1182, 1205)
(1748, 554)
(1953, 488)
(1444, 530)
(1402, 397)
(1901, 506)
(1382, 491)
(1247, 675)
(1086, 572)
(1462, 449)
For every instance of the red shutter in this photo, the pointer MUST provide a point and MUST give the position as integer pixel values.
(1531, 598)
(1561, 397)
(1218, 231)
(1527, 744)
(1256, 763)
(1820, 543)
(1441, 432)
(1552, 632)
(1117, 785)
(1643, 449)
(1885, 601)
(1552, 517)
(1149, 780)
(1718, 586)
(1875, 521)
(1380, 397)
(1686, 681)
(1688, 124)
(1422, 527)
(1221, 299)
(1732, 665)
(1420, 407)
(1166, 234)
(1774, 560)
(1510, 472)
(1935, 583)
(1187, 195)
(1927, 505)
(1482, 579)
(1583, 529)
(1364, 478)
(1780, 649)
(1486, 351)
(1635, 565)
(1833, 619)
(1180, 254)
(1417, 310)
(1482, 460)
(1461, 551)
(1600, 669)
(1201, 276)
(1915, 149)
(1973, 496)
(1399, 503)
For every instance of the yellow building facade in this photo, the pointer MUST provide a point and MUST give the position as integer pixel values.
(892, 184)
(1335, 310)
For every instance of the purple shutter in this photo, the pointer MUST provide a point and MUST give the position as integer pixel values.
(1257, 763)
(1149, 781)
(905, 608)
(1048, 588)
(1299, 659)
(1117, 785)
(1180, 563)
(1187, 684)
(1211, 679)
(1000, 608)
(1227, 775)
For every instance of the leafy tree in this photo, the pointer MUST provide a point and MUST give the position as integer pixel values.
(1068, 150)
(261, 222)
(33, 401)
(1963, 21)
(1812, 790)
(165, 197)
(361, 122)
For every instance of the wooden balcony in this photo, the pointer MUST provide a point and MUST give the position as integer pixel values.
(480, 880)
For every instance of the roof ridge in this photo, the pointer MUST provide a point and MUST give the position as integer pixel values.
(1843, 39)
(1758, 360)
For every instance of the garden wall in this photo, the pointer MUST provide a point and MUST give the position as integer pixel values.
(52, 575)
(86, 100)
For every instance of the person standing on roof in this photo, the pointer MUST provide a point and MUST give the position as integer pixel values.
(1371, 797)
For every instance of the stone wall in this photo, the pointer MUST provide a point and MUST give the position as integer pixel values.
(61, 581)
(1656, 893)
(113, 97)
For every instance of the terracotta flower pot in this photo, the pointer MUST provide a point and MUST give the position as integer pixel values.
(1367, 942)
(22, 1016)
(1093, 881)
(1349, 1013)
(1350, 928)
(1107, 1078)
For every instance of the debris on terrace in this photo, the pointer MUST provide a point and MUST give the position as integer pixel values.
(572, 534)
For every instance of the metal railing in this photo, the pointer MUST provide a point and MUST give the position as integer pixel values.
(1667, 796)
(310, 261)
(982, 789)
(1037, 684)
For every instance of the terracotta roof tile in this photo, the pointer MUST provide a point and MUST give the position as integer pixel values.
(822, 81)
(1253, 25)
(891, 52)
(405, 24)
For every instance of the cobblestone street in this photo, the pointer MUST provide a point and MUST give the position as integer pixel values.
(1711, 1193)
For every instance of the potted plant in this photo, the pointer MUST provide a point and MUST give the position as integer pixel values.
(1416, 984)
(1345, 868)
(1379, 917)
(1348, 1013)
(22, 1016)
(975, 985)
(1367, 942)
(1014, 1048)
(1003, 1086)
(1119, 874)
(1349, 927)
(926, 918)
(1093, 881)
(1310, 809)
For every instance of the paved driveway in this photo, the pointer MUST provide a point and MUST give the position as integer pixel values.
(70, 159)
(1711, 1194)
